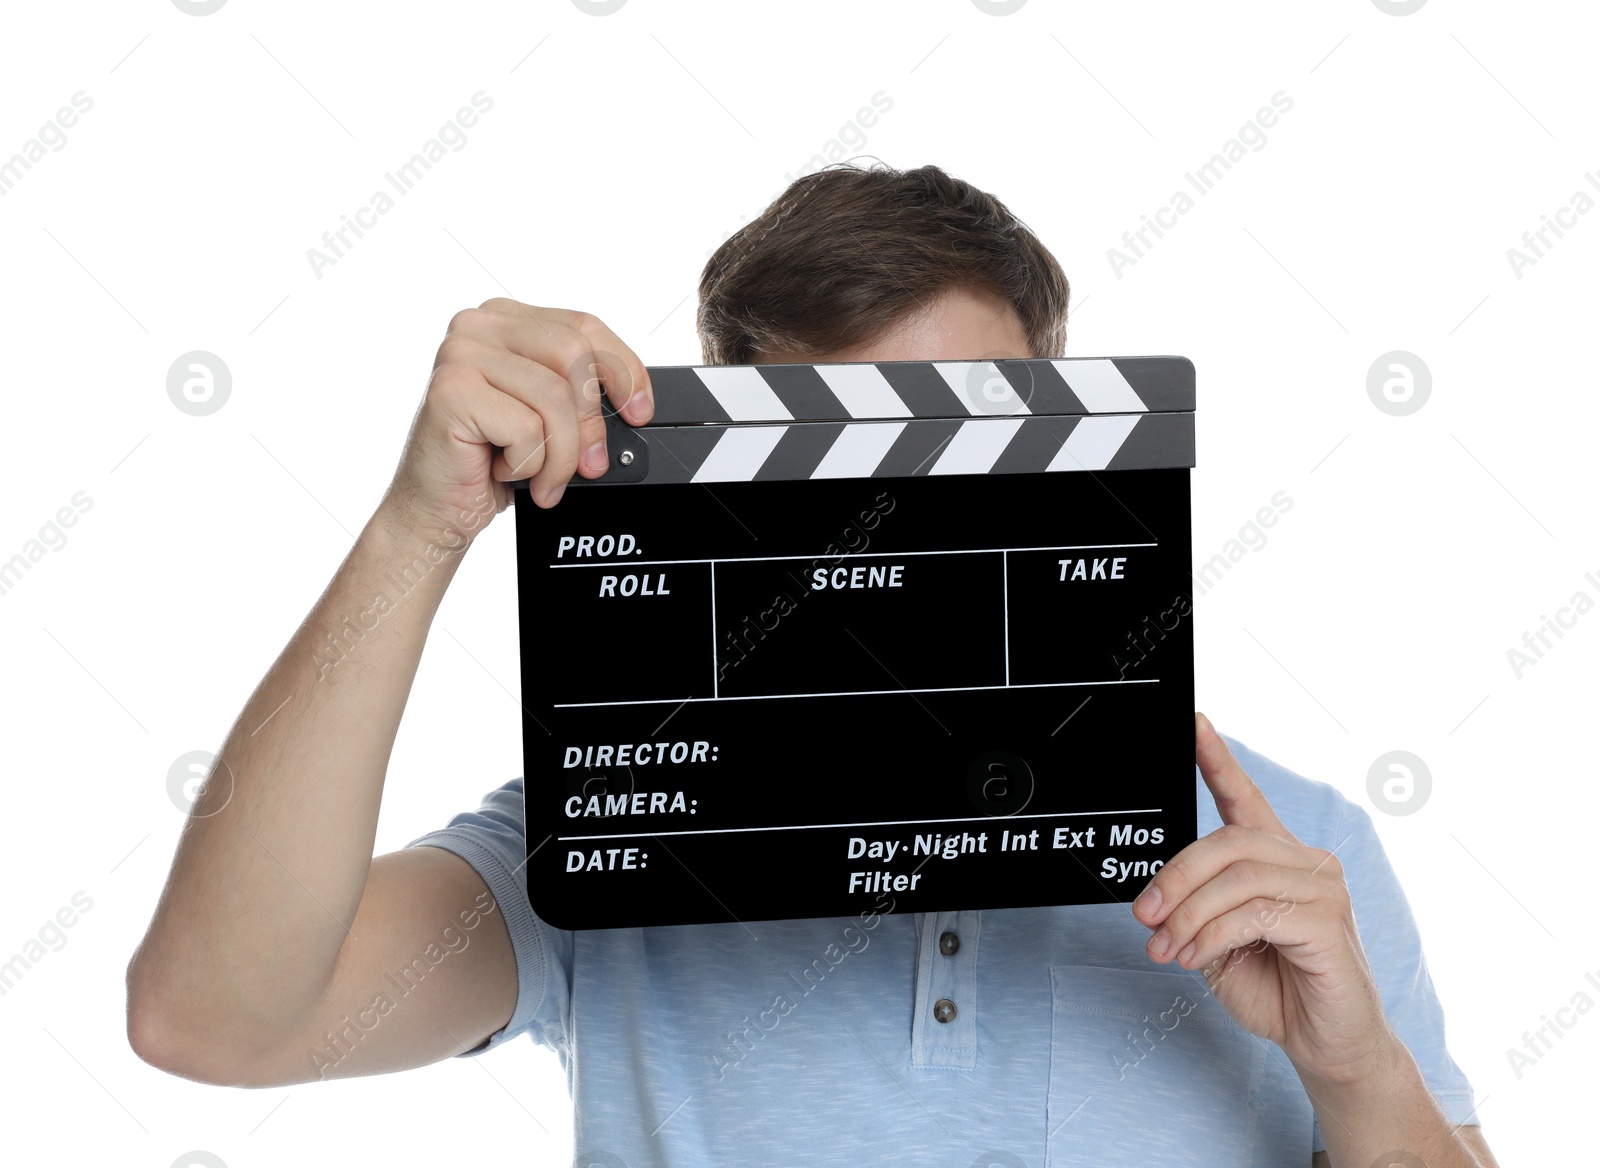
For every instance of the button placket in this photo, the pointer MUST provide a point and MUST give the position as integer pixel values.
(944, 1029)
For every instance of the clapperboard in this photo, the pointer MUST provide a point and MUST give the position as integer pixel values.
(912, 636)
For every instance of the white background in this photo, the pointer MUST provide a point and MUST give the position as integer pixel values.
(1376, 617)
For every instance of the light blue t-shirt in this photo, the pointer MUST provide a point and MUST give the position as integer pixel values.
(815, 1042)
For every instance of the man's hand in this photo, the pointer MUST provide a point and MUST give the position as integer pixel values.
(1269, 922)
(515, 393)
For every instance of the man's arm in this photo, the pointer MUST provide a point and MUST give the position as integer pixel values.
(276, 921)
(277, 931)
(1470, 1134)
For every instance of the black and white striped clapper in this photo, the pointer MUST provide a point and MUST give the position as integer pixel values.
(825, 639)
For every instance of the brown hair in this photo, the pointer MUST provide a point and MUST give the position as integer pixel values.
(845, 253)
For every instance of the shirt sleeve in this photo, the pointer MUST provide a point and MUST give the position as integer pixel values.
(1394, 950)
(491, 839)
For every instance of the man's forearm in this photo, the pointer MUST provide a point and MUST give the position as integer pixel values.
(1390, 1111)
(274, 859)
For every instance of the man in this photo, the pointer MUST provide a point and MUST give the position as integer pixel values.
(282, 951)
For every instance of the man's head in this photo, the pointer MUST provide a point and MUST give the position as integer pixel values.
(856, 264)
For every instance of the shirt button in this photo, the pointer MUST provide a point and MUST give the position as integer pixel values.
(944, 1010)
(949, 943)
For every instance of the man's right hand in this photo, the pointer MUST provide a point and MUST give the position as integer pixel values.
(515, 393)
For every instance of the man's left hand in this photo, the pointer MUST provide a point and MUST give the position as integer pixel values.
(1268, 920)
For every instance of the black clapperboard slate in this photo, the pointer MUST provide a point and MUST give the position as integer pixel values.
(906, 636)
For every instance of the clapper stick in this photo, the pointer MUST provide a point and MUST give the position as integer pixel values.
(896, 636)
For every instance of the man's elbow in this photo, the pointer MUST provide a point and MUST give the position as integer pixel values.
(156, 1042)
(180, 1042)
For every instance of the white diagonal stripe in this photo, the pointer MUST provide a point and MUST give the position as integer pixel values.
(864, 391)
(1094, 442)
(1100, 386)
(743, 392)
(738, 454)
(982, 388)
(858, 450)
(976, 446)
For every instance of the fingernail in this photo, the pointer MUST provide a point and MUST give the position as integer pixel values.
(1188, 952)
(1148, 901)
(639, 408)
(1159, 940)
(594, 458)
(554, 496)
